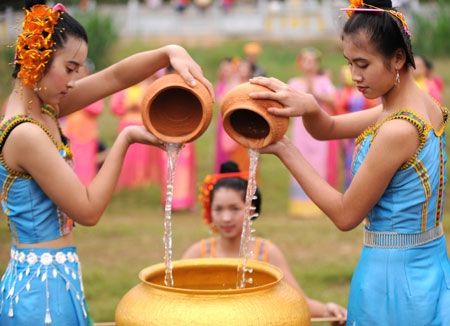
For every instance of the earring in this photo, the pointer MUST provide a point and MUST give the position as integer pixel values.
(397, 79)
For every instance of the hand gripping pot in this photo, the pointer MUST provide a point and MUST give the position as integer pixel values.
(247, 120)
(175, 112)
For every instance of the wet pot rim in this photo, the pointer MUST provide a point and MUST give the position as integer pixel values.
(205, 262)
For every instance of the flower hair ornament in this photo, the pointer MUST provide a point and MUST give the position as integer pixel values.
(208, 186)
(359, 5)
(35, 45)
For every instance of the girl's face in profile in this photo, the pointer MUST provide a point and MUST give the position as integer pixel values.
(368, 67)
(227, 211)
(63, 71)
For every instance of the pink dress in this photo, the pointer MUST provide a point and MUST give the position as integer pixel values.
(140, 161)
(81, 128)
(184, 185)
(316, 152)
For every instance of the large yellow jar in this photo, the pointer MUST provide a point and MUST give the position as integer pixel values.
(205, 293)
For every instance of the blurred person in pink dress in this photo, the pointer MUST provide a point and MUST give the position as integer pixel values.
(82, 130)
(231, 74)
(140, 167)
(321, 154)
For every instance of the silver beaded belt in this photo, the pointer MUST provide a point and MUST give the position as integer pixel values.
(401, 240)
(46, 258)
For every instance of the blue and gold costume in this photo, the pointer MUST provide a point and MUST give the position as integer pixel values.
(403, 276)
(40, 286)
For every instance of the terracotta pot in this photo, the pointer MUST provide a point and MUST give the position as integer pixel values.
(175, 112)
(247, 121)
(205, 293)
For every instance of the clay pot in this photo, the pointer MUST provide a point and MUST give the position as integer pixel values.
(247, 121)
(175, 112)
(205, 294)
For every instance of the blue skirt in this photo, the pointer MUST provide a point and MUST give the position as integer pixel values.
(409, 286)
(43, 287)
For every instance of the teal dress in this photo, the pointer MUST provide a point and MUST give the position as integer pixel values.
(403, 276)
(41, 286)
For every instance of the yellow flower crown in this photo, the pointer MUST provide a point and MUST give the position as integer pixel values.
(35, 45)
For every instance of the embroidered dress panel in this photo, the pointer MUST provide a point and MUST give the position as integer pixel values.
(404, 265)
(32, 215)
(413, 199)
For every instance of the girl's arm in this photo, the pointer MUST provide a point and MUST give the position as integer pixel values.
(131, 71)
(395, 143)
(317, 308)
(318, 123)
(33, 152)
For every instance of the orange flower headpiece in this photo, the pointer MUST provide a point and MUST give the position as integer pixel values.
(357, 5)
(208, 186)
(35, 45)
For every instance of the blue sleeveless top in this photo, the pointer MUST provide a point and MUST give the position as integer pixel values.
(414, 199)
(32, 215)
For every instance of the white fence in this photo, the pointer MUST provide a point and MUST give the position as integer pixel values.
(263, 19)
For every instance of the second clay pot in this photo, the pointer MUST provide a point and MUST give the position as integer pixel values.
(247, 120)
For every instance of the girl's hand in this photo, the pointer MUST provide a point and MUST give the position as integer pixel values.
(138, 134)
(278, 147)
(294, 103)
(334, 310)
(182, 62)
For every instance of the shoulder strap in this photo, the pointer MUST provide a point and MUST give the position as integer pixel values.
(445, 115)
(212, 247)
(207, 248)
(13, 122)
(261, 249)
(410, 116)
(257, 248)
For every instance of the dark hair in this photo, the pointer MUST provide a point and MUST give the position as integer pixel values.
(237, 184)
(65, 27)
(383, 29)
(426, 61)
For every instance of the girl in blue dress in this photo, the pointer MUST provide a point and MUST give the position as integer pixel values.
(41, 194)
(398, 188)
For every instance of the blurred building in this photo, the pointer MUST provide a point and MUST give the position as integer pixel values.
(263, 19)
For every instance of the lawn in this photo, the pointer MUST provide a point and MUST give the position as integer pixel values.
(129, 236)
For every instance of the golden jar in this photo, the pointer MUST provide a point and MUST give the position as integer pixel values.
(205, 293)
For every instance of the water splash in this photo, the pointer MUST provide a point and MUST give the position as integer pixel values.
(246, 237)
(173, 150)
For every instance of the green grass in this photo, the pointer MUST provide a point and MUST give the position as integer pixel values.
(129, 236)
